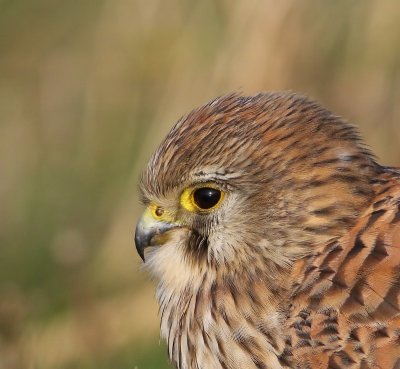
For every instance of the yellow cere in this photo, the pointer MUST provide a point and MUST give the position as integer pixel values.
(187, 199)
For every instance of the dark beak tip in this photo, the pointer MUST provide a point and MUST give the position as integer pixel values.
(140, 245)
(144, 235)
(141, 254)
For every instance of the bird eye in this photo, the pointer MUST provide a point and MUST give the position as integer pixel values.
(203, 199)
(206, 197)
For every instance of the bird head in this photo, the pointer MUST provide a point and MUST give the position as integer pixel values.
(250, 184)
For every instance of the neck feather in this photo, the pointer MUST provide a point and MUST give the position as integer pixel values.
(219, 323)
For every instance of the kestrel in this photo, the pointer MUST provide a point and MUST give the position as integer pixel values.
(275, 237)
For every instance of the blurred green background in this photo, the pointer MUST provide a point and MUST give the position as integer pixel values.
(88, 89)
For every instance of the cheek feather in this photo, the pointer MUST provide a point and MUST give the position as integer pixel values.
(169, 263)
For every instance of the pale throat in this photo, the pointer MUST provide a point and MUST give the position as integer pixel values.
(217, 321)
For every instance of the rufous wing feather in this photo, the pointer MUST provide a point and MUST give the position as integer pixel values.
(346, 305)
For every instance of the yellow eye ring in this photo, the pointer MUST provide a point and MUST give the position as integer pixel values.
(204, 198)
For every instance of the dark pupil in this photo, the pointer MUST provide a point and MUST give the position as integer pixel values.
(206, 197)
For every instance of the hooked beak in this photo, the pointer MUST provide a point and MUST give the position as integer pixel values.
(148, 232)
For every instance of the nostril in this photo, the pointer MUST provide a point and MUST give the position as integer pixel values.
(159, 211)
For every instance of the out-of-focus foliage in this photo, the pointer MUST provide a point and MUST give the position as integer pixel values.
(88, 89)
